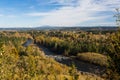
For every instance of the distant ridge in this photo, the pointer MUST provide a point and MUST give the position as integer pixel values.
(84, 28)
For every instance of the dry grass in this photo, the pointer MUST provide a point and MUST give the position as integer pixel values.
(15, 65)
(95, 58)
(35, 66)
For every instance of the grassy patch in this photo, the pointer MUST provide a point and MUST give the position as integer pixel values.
(30, 63)
(95, 58)
(35, 66)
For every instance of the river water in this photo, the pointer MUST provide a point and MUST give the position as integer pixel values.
(80, 65)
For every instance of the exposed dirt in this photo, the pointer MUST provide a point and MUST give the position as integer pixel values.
(80, 65)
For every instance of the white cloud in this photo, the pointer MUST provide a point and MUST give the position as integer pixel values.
(58, 2)
(37, 14)
(11, 16)
(1, 15)
(8, 16)
(63, 2)
(85, 10)
(32, 7)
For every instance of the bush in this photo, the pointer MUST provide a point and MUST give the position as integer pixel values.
(95, 58)
(114, 54)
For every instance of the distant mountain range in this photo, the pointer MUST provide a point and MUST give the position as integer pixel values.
(85, 28)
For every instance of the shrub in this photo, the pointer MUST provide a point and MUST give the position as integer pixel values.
(95, 58)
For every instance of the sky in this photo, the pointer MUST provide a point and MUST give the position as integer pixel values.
(35, 13)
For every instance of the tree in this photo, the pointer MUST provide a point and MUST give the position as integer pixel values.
(117, 15)
(114, 52)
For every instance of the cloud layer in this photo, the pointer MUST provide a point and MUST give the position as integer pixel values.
(80, 12)
(1, 15)
(58, 12)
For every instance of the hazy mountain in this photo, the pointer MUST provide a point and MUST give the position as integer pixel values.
(85, 28)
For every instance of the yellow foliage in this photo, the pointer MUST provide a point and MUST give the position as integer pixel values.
(95, 58)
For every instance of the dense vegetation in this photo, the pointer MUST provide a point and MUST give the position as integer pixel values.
(71, 43)
(30, 63)
(114, 54)
(97, 48)
(19, 62)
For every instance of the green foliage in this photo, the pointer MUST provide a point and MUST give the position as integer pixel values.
(72, 42)
(15, 65)
(114, 54)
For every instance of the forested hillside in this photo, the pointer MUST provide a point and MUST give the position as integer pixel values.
(30, 63)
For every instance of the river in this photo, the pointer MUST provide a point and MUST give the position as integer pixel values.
(81, 66)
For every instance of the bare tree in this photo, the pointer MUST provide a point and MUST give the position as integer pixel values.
(117, 15)
(114, 51)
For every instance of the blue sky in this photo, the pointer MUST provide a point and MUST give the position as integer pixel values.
(34, 13)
